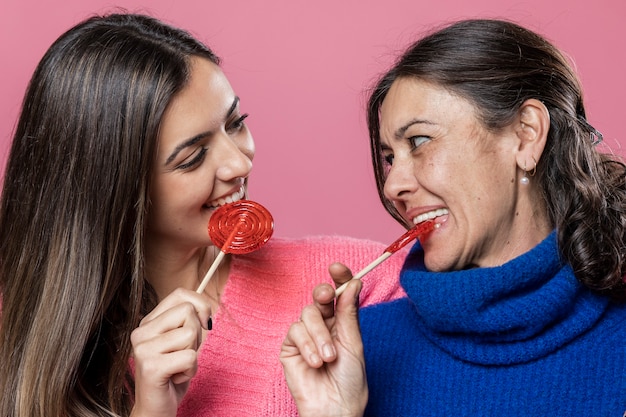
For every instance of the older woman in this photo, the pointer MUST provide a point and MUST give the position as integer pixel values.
(515, 302)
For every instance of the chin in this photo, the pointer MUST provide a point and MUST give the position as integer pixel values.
(434, 264)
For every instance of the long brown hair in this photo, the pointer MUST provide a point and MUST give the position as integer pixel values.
(497, 65)
(73, 214)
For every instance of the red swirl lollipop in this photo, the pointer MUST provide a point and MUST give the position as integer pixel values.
(239, 227)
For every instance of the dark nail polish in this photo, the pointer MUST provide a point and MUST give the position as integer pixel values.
(209, 324)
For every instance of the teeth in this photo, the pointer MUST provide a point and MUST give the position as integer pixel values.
(229, 199)
(430, 215)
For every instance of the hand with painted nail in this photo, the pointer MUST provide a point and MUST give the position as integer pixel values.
(165, 349)
(322, 354)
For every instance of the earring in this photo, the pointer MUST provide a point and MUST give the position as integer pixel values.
(525, 180)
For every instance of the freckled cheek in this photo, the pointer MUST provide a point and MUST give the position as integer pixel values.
(436, 174)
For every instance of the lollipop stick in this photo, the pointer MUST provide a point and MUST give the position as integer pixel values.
(218, 259)
(364, 271)
(211, 271)
(411, 234)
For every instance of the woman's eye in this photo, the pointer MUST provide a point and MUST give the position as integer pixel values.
(193, 160)
(416, 141)
(387, 162)
(238, 123)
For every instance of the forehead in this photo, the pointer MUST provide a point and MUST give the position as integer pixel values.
(201, 105)
(207, 88)
(411, 100)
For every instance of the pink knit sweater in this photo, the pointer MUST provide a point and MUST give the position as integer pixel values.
(239, 373)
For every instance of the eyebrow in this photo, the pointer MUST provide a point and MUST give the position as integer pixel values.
(399, 133)
(195, 139)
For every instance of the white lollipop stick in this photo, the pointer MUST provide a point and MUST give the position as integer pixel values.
(218, 260)
(364, 271)
(411, 234)
(210, 272)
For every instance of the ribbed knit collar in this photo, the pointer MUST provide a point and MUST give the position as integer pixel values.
(513, 313)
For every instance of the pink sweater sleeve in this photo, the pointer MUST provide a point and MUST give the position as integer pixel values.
(239, 372)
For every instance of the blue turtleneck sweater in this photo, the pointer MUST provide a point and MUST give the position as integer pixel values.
(522, 339)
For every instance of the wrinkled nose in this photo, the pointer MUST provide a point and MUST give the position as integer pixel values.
(400, 179)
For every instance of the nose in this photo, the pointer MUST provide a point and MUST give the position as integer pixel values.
(401, 179)
(234, 158)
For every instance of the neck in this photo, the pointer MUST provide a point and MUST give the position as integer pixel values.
(529, 228)
(167, 271)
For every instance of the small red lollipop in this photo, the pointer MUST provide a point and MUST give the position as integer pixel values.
(239, 227)
(252, 223)
(402, 241)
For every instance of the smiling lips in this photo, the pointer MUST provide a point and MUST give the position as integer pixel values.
(236, 196)
(429, 215)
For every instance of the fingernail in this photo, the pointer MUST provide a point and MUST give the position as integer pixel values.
(209, 324)
(328, 351)
(315, 358)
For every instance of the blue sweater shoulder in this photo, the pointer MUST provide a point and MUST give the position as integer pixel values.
(409, 375)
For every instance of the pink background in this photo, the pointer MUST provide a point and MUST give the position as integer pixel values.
(302, 69)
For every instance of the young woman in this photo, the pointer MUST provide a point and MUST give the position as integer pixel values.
(129, 138)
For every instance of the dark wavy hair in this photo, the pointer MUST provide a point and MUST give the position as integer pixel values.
(497, 65)
(73, 214)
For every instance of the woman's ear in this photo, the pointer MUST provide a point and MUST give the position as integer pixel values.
(532, 125)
